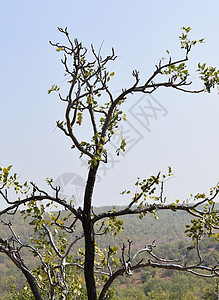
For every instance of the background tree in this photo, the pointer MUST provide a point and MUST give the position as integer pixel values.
(60, 261)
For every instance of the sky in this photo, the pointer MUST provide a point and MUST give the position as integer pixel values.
(182, 131)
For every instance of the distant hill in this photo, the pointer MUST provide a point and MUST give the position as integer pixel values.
(168, 229)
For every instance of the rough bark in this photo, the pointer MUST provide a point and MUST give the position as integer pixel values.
(32, 284)
(11, 253)
(89, 235)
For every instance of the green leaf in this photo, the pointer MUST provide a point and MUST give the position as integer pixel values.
(53, 88)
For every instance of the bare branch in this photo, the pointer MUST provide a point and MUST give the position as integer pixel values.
(16, 204)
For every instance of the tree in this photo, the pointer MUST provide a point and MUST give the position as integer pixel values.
(59, 274)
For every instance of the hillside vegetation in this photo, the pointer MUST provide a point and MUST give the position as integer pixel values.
(168, 233)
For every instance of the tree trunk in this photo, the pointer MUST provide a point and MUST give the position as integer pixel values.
(88, 228)
(89, 260)
(9, 251)
(32, 284)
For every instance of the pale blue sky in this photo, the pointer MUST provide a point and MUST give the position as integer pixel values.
(140, 31)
